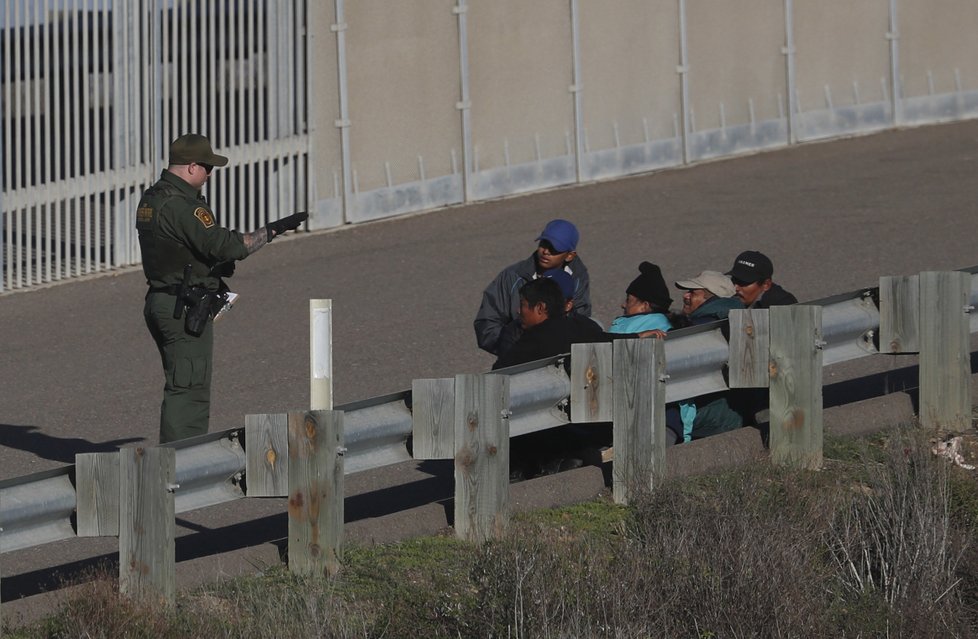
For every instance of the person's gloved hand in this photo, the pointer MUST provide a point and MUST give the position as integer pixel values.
(288, 223)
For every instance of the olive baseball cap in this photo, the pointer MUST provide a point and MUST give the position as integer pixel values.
(193, 148)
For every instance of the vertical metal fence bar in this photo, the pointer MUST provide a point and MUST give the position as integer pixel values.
(292, 51)
(248, 48)
(576, 90)
(163, 99)
(300, 31)
(6, 253)
(73, 246)
(195, 64)
(47, 177)
(344, 110)
(789, 53)
(262, 94)
(34, 75)
(212, 80)
(180, 61)
(117, 125)
(683, 70)
(271, 60)
(87, 209)
(896, 86)
(220, 132)
(17, 221)
(101, 69)
(57, 146)
(464, 106)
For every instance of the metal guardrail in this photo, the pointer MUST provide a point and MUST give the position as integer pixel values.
(37, 509)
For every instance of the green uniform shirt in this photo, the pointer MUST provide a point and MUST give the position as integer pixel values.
(177, 227)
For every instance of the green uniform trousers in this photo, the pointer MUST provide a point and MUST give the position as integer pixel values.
(187, 361)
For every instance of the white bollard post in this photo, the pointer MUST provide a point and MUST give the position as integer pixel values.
(321, 354)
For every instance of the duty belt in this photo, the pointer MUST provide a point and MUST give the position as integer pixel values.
(169, 290)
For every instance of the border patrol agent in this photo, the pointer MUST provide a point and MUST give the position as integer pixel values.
(186, 255)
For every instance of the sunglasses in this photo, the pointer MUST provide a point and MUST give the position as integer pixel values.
(207, 167)
(549, 248)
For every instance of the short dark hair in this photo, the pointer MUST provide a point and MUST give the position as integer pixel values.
(547, 291)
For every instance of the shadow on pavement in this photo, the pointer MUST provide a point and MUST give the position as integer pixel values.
(59, 449)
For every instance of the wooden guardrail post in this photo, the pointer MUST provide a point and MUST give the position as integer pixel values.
(750, 348)
(97, 494)
(639, 418)
(900, 314)
(481, 456)
(592, 393)
(433, 418)
(315, 491)
(945, 362)
(796, 386)
(267, 455)
(147, 550)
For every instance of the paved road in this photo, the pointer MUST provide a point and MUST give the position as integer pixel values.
(79, 373)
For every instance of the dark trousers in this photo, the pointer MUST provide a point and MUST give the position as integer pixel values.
(186, 406)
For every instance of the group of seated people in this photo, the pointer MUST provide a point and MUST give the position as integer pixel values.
(539, 306)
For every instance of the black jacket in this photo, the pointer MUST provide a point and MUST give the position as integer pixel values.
(552, 337)
(775, 296)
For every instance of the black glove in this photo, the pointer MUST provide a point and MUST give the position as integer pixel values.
(223, 269)
(288, 223)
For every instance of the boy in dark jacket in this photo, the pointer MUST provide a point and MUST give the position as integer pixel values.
(547, 331)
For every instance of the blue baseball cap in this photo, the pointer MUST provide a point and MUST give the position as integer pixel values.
(563, 279)
(561, 234)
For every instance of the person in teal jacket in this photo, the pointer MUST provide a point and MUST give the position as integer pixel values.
(646, 304)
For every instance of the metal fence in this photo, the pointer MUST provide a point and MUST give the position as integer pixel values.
(361, 110)
(93, 91)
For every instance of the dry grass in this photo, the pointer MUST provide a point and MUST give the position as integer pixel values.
(874, 547)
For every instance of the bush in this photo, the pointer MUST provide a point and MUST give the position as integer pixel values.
(874, 547)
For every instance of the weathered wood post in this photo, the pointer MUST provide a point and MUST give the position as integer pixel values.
(750, 348)
(900, 314)
(97, 494)
(592, 388)
(945, 362)
(267, 455)
(796, 386)
(433, 418)
(147, 550)
(481, 456)
(639, 418)
(315, 492)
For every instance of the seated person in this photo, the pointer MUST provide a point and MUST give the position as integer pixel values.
(557, 249)
(751, 275)
(646, 303)
(547, 331)
(708, 297)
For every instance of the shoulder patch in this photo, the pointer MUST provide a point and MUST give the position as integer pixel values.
(204, 216)
(144, 214)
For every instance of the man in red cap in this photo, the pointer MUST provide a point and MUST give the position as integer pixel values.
(497, 322)
(186, 255)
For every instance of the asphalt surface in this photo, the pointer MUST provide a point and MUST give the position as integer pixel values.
(79, 372)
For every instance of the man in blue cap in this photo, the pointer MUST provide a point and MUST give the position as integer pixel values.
(497, 325)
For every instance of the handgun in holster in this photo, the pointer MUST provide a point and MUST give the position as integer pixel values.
(182, 289)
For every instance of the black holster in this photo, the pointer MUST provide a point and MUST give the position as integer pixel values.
(201, 305)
